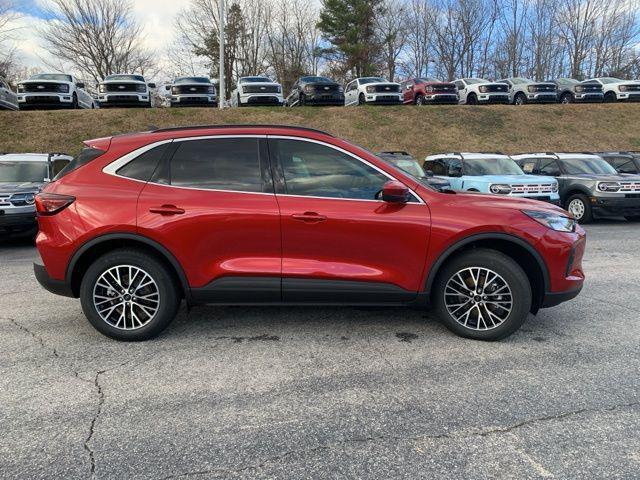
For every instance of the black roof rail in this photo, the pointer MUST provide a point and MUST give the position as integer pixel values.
(240, 125)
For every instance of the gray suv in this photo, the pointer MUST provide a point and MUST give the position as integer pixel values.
(22, 176)
(626, 163)
(523, 90)
(574, 91)
(589, 186)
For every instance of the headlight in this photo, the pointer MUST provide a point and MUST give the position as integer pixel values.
(64, 88)
(428, 88)
(211, 89)
(531, 89)
(102, 88)
(141, 88)
(308, 89)
(501, 189)
(340, 89)
(20, 87)
(623, 88)
(554, 187)
(483, 89)
(278, 89)
(554, 221)
(371, 89)
(175, 90)
(608, 186)
(579, 89)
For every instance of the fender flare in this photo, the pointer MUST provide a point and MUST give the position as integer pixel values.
(166, 254)
(444, 256)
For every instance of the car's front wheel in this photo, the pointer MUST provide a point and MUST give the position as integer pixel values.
(129, 295)
(579, 206)
(520, 99)
(482, 294)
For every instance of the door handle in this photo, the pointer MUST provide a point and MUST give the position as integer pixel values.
(309, 217)
(167, 210)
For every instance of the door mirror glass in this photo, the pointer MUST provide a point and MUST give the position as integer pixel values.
(80, 85)
(152, 85)
(395, 192)
(167, 87)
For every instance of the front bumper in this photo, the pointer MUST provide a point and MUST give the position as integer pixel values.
(106, 100)
(488, 98)
(384, 98)
(193, 100)
(616, 207)
(552, 299)
(442, 98)
(588, 97)
(264, 99)
(545, 97)
(324, 99)
(17, 222)
(45, 100)
(553, 199)
(57, 287)
(628, 96)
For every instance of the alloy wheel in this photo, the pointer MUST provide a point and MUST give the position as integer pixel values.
(576, 208)
(478, 298)
(126, 297)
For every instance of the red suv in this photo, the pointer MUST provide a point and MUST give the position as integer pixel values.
(264, 215)
(426, 91)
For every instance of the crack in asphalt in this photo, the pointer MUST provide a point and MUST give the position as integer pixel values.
(92, 426)
(458, 435)
(34, 335)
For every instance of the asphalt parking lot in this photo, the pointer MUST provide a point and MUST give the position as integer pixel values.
(325, 392)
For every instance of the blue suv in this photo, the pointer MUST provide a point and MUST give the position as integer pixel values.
(491, 173)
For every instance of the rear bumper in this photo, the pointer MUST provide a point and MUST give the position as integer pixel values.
(57, 287)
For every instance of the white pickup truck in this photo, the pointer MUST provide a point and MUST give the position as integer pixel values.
(53, 90)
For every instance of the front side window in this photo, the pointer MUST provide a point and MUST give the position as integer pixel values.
(231, 164)
(588, 165)
(315, 170)
(623, 164)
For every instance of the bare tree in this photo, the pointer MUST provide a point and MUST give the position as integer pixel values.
(96, 37)
(392, 31)
(8, 59)
(419, 38)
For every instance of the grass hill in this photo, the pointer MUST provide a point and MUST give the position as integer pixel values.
(419, 130)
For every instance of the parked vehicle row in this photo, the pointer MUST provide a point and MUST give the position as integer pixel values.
(276, 215)
(54, 90)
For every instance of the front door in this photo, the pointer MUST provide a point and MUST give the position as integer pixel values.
(340, 243)
(212, 205)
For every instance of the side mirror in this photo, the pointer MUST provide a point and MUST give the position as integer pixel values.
(167, 87)
(395, 192)
(152, 85)
(409, 87)
(429, 173)
(80, 85)
(454, 172)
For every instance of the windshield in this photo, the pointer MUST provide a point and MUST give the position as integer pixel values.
(135, 78)
(471, 81)
(51, 76)
(609, 80)
(491, 166)
(255, 80)
(192, 80)
(317, 79)
(519, 81)
(412, 167)
(592, 165)
(364, 81)
(22, 172)
(428, 80)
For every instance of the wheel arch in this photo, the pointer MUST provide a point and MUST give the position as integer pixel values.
(522, 252)
(98, 246)
(575, 190)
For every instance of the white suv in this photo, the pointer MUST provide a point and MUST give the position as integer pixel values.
(53, 90)
(374, 90)
(125, 90)
(473, 91)
(617, 90)
(8, 99)
(257, 91)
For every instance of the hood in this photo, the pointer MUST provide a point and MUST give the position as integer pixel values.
(603, 177)
(511, 179)
(488, 200)
(258, 83)
(137, 82)
(23, 187)
(370, 84)
(44, 81)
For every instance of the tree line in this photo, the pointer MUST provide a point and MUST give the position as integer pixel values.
(539, 39)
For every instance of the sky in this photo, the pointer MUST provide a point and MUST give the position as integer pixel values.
(155, 16)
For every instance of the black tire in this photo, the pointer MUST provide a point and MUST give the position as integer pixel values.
(512, 275)
(361, 99)
(239, 104)
(167, 287)
(580, 199)
(520, 99)
(610, 97)
(632, 218)
(566, 98)
(93, 105)
(419, 100)
(472, 99)
(74, 102)
(301, 100)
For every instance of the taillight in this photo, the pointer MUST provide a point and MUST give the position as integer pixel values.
(52, 203)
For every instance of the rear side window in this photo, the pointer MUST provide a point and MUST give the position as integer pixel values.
(528, 165)
(549, 166)
(623, 164)
(231, 164)
(143, 166)
(86, 155)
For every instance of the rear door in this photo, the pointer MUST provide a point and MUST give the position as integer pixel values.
(340, 243)
(211, 203)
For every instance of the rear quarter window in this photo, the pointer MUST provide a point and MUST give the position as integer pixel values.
(143, 166)
(86, 155)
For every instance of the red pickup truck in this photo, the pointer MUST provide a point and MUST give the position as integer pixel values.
(425, 91)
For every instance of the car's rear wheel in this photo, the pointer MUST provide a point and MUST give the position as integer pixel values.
(578, 205)
(520, 99)
(566, 98)
(482, 294)
(129, 295)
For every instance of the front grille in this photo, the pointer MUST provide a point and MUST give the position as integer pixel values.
(121, 87)
(520, 189)
(123, 98)
(260, 89)
(498, 99)
(387, 88)
(544, 87)
(632, 195)
(540, 198)
(591, 88)
(43, 99)
(387, 99)
(264, 100)
(190, 89)
(444, 88)
(630, 186)
(325, 88)
(495, 88)
(45, 87)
